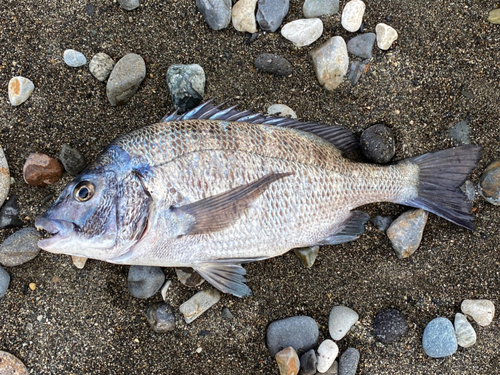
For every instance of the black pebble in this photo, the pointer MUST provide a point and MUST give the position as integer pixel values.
(9, 214)
(308, 363)
(72, 160)
(382, 222)
(377, 144)
(389, 326)
(90, 9)
(161, 317)
(273, 64)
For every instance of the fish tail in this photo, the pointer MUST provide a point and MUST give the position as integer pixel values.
(441, 174)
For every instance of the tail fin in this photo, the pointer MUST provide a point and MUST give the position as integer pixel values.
(440, 176)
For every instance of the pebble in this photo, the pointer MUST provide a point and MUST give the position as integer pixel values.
(494, 16)
(386, 35)
(11, 365)
(288, 361)
(41, 170)
(356, 71)
(331, 62)
(481, 310)
(352, 15)
(90, 9)
(274, 64)
(307, 255)
(348, 362)
(145, 281)
(489, 183)
(129, 4)
(32, 286)
(303, 32)
(199, 303)
(4, 281)
(226, 314)
(216, 13)
(466, 336)
(186, 84)
(460, 133)
(469, 190)
(406, 232)
(125, 79)
(189, 277)
(439, 338)
(389, 326)
(20, 247)
(377, 144)
(9, 214)
(270, 13)
(72, 160)
(299, 332)
(20, 89)
(341, 320)
(79, 262)
(362, 45)
(327, 352)
(74, 58)
(333, 370)
(101, 66)
(318, 8)
(243, 16)
(164, 289)
(308, 363)
(5, 179)
(281, 110)
(161, 317)
(382, 222)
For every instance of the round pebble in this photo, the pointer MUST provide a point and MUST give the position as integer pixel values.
(299, 332)
(303, 32)
(11, 365)
(348, 362)
(466, 336)
(243, 16)
(74, 58)
(9, 214)
(481, 310)
(129, 4)
(270, 13)
(377, 144)
(216, 13)
(5, 179)
(341, 320)
(382, 222)
(4, 282)
(389, 326)
(20, 247)
(101, 66)
(327, 352)
(439, 338)
(41, 170)
(362, 45)
(406, 232)
(281, 110)
(20, 89)
(352, 15)
(145, 281)
(489, 183)
(186, 84)
(125, 79)
(308, 363)
(274, 64)
(386, 35)
(319, 8)
(331, 62)
(161, 317)
(72, 160)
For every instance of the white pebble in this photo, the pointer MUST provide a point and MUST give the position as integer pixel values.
(281, 110)
(303, 32)
(164, 289)
(481, 310)
(198, 304)
(331, 62)
(327, 352)
(352, 15)
(4, 177)
(243, 16)
(466, 336)
(20, 89)
(101, 66)
(386, 35)
(74, 58)
(79, 262)
(341, 320)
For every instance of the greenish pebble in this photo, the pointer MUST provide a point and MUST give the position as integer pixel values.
(307, 255)
(494, 16)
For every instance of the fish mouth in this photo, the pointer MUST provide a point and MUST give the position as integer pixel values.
(60, 230)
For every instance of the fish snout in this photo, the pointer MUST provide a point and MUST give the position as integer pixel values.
(60, 227)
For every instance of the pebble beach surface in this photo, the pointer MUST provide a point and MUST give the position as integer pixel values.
(443, 69)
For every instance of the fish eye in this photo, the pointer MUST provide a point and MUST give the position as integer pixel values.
(84, 191)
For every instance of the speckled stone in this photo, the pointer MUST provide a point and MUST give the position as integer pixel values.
(331, 62)
(161, 317)
(308, 363)
(281, 110)
(489, 183)
(20, 247)
(74, 58)
(327, 352)
(389, 326)
(101, 66)
(270, 13)
(377, 144)
(307, 255)
(20, 89)
(9, 214)
(4, 283)
(299, 332)
(439, 338)
(198, 304)
(386, 35)
(348, 362)
(341, 320)
(319, 8)
(303, 32)
(466, 336)
(288, 361)
(406, 232)
(186, 84)
(41, 170)
(243, 16)
(145, 281)
(352, 15)
(11, 365)
(217, 13)
(4, 177)
(481, 310)
(125, 79)
(362, 45)
(129, 4)
(274, 64)
(72, 160)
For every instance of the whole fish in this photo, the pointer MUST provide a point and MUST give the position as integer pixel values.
(213, 189)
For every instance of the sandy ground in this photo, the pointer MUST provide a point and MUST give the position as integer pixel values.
(443, 69)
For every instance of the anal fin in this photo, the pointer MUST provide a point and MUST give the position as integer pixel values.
(353, 227)
(228, 278)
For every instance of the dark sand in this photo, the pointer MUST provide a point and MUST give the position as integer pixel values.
(443, 69)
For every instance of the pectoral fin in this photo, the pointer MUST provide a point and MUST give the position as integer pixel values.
(228, 278)
(352, 229)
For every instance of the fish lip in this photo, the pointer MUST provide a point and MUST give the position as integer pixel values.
(60, 229)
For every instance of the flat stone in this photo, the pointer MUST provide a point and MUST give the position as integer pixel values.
(307, 255)
(129, 4)
(78, 262)
(319, 8)
(125, 79)
(145, 281)
(274, 64)
(270, 13)
(331, 62)
(72, 160)
(4, 177)
(382, 222)
(377, 144)
(303, 32)
(460, 133)
(494, 16)
(20, 247)
(281, 110)
(327, 352)
(9, 214)
(386, 35)
(161, 317)
(217, 13)
(352, 15)
(489, 183)
(299, 332)
(356, 71)
(186, 84)
(74, 58)
(362, 45)
(101, 66)
(243, 16)
(20, 89)
(308, 363)
(439, 338)
(198, 304)
(11, 365)
(4, 283)
(288, 361)
(348, 362)
(341, 320)
(42, 170)
(189, 277)
(481, 310)
(406, 232)
(466, 336)
(389, 326)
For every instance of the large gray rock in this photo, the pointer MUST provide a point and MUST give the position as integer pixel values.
(125, 79)
(270, 13)
(331, 62)
(299, 332)
(217, 13)
(186, 84)
(145, 281)
(20, 247)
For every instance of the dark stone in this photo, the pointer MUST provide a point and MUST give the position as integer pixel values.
(161, 317)
(216, 13)
(308, 363)
(356, 71)
(270, 13)
(362, 45)
(145, 281)
(348, 362)
(9, 214)
(226, 314)
(90, 9)
(273, 64)
(389, 326)
(72, 160)
(382, 222)
(377, 144)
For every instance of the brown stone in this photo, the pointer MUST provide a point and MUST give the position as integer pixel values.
(288, 361)
(10, 365)
(489, 183)
(41, 170)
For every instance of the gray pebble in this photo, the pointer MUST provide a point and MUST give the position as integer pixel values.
(460, 133)
(439, 338)
(72, 160)
(90, 9)
(469, 190)
(348, 362)
(186, 84)
(4, 281)
(125, 79)
(161, 317)
(377, 144)
(389, 326)
(9, 214)
(318, 8)
(382, 222)
(307, 255)
(356, 71)
(226, 314)
(101, 66)
(406, 232)
(466, 336)
(129, 4)
(274, 64)
(308, 363)
(489, 183)
(145, 281)
(20, 247)
(331, 62)
(270, 13)
(341, 320)
(362, 45)
(299, 332)
(216, 13)
(74, 58)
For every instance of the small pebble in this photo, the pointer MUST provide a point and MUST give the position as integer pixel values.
(439, 338)
(308, 363)
(481, 310)
(20, 89)
(189, 277)
(331, 62)
(466, 336)
(32, 286)
(78, 262)
(377, 144)
(226, 314)
(460, 133)
(307, 255)
(389, 326)
(327, 352)
(186, 84)
(20, 247)
(281, 110)
(164, 289)
(319, 8)
(356, 71)
(243, 16)
(145, 281)
(341, 320)
(333, 370)
(469, 190)
(288, 361)
(161, 317)
(90, 9)
(101, 66)
(199, 303)
(72, 160)
(382, 222)
(362, 45)
(42, 170)
(5, 179)
(10, 365)
(352, 15)
(303, 32)
(129, 4)
(348, 362)
(274, 64)
(406, 232)
(125, 79)
(74, 58)
(270, 13)
(4, 283)
(216, 13)
(9, 214)
(494, 16)
(299, 332)
(386, 35)
(489, 183)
